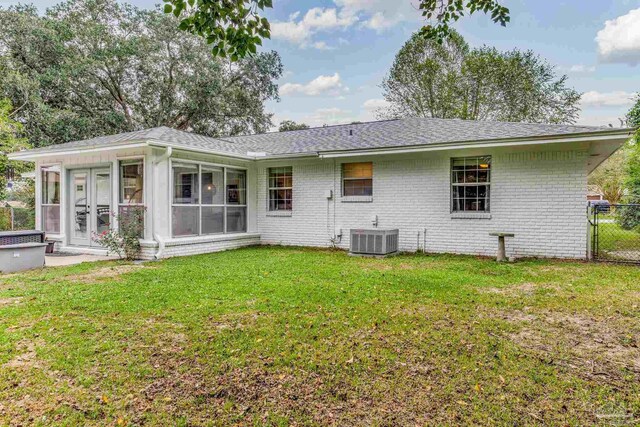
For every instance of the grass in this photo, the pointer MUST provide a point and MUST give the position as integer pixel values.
(284, 336)
(617, 242)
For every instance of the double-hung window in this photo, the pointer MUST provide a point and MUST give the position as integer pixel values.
(131, 192)
(357, 179)
(50, 199)
(207, 200)
(281, 189)
(470, 184)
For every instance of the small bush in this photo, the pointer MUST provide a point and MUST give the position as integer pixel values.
(126, 240)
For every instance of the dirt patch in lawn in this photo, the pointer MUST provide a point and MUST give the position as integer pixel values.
(522, 289)
(603, 349)
(9, 301)
(26, 357)
(105, 273)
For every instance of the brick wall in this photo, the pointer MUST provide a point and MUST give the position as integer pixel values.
(199, 245)
(539, 196)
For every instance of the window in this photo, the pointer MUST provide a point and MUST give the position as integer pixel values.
(207, 200)
(131, 198)
(470, 182)
(357, 179)
(50, 199)
(280, 189)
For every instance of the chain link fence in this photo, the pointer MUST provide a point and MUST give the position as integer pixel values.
(616, 232)
(17, 219)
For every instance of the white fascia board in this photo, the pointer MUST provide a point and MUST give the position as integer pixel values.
(31, 156)
(200, 150)
(480, 144)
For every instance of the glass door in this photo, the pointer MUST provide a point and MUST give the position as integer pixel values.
(101, 212)
(80, 228)
(90, 204)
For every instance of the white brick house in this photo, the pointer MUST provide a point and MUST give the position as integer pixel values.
(445, 184)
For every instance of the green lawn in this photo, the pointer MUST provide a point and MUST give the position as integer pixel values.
(284, 336)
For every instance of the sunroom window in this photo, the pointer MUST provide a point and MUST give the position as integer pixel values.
(207, 200)
(470, 184)
(131, 192)
(50, 199)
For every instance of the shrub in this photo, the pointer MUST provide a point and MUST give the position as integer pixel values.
(125, 241)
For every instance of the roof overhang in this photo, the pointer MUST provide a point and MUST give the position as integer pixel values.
(619, 136)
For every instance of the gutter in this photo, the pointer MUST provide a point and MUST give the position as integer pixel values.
(156, 236)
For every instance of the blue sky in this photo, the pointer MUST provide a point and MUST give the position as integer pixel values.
(336, 52)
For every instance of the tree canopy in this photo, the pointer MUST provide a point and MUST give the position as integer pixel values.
(10, 141)
(453, 80)
(287, 125)
(92, 67)
(234, 29)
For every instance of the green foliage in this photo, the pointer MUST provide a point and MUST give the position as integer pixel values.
(233, 29)
(124, 241)
(452, 80)
(287, 125)
(96, 67)
(10, 141)
(445, 12)
(609, 178)
(629, 217)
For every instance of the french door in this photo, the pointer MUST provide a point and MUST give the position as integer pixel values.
(90, 208)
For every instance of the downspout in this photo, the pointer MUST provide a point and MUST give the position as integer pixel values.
(156, 235)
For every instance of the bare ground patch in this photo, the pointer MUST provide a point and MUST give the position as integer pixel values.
(605, 349)
(522, 289)
(105, 273)
(10, 301)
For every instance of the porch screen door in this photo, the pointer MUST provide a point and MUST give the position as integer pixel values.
(90, 204)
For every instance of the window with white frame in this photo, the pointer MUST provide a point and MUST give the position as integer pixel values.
(470, 184)
(281, 189)
(207, 200)
(50, 199)
(131, 192)
(357, 179)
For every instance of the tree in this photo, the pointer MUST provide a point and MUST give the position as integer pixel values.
(10, 141)
(97, 67)
(452, 80)
(287, 125)
(609, 178)
(629, 216)
(235, 29)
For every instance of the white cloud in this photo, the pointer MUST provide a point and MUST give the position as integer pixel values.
(374, 104)
(374, 14)
(606, 99)
(619, 40)
(380, 14)
(329, 116)
(579, 69)
(321, 85)
(317, 19)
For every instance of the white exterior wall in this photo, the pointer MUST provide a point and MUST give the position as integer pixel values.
(538, 195)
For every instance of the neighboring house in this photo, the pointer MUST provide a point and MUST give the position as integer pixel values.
(445, 184)
(594, 193)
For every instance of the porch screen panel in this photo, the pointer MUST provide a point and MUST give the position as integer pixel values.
(131, 192)
(186, 200)
(50, 199)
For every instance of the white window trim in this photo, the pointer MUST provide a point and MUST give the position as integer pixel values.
(273, 212)
(59, 204)
(464, 214)
(200, 205)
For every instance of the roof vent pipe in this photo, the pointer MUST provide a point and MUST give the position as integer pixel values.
(350, 132)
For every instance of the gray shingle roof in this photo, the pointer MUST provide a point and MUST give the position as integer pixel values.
(398, 133)
(381, 134)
